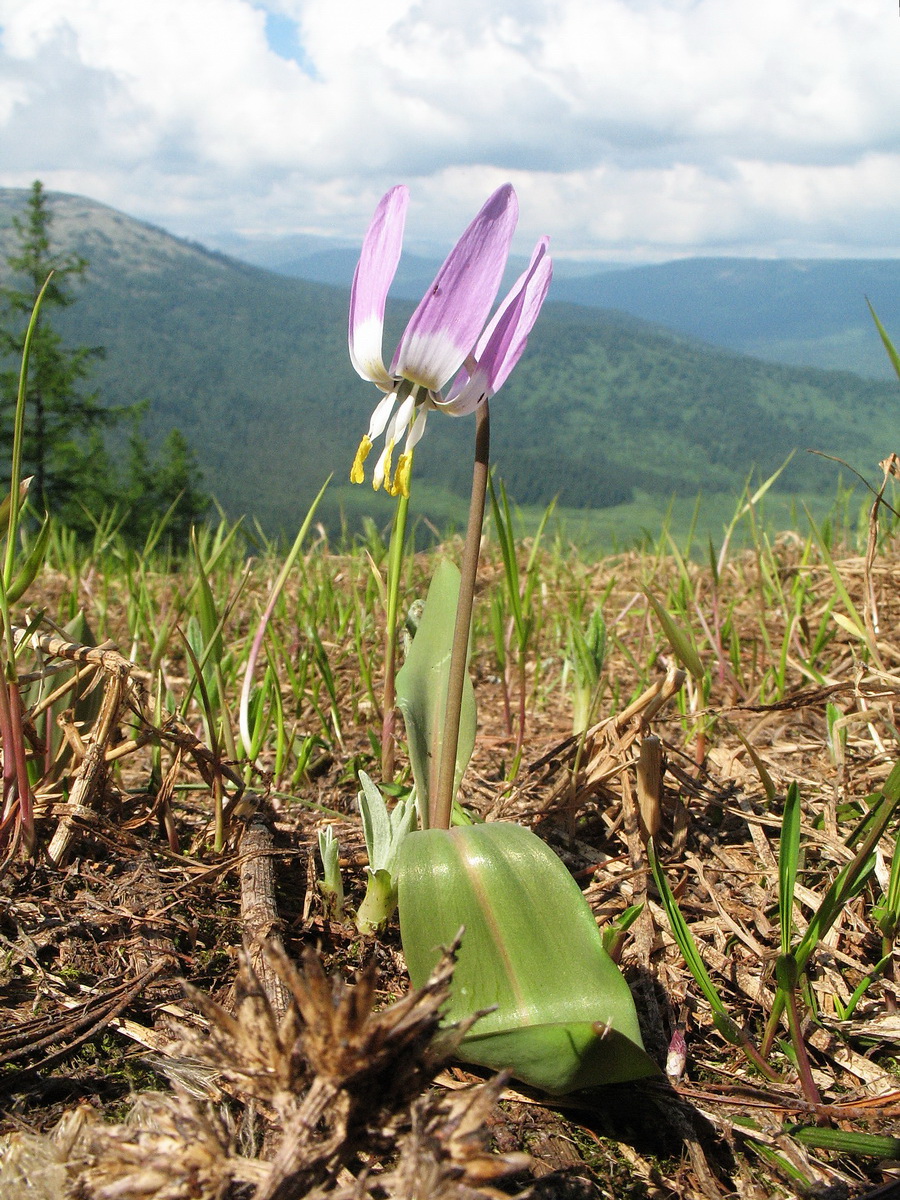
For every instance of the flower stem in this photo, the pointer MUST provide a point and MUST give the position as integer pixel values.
(439, 816)
(389, 698)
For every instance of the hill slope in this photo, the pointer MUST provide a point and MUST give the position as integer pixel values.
(803, 312)
(798, 311)
(253, 367)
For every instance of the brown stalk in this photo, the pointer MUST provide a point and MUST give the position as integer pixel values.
(439, 817)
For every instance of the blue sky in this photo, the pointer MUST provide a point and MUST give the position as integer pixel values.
(633, 130)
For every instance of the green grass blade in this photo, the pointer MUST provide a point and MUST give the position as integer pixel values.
(683, 936)
(788, 858)
(277, 588)
(15, 475)
(851, 877)
(885, 340)
(679, 638)
(839, 586)
(846, 1141)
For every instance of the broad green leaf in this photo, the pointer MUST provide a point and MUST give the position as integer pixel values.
(564, 1017)
(422, 689)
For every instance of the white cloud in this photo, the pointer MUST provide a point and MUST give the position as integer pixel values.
(630, 127)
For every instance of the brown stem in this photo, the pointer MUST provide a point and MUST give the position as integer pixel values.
(389, 698)
(439, 816)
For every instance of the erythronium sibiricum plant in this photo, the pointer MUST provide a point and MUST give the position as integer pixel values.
(563, 1017)
(448, 340)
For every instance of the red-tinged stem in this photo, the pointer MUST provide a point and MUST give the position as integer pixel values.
(753, 1055)
(9, 761)
(26, 806)
(439, 815)
(804, 1069)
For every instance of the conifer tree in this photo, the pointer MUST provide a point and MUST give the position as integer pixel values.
(65, 451)
(62, 418)
(153, 485)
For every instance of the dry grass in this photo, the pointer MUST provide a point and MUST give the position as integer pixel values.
(280, 1083)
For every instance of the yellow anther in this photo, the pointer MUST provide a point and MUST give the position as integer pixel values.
(385, 476)
(400, 486)
(357, 474)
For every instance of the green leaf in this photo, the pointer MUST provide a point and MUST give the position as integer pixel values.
(384, 831)
(885, 340)
(788, 857)
(854, 873)
(845, 1141)
(563, 1016)
(27, 573)
(614, 934)
(686, 943)
(853, 622)
(208, 616)
(422, 689)
(680, 639)
(331, 885)
(256, 645)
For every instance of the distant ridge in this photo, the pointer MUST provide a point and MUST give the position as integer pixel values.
(802, 312)
(253, 367)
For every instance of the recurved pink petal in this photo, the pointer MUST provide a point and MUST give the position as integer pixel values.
(373, 277)
(445, 327)
(501, 345)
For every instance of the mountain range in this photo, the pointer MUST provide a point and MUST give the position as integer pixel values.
(604, 408)
(802, 312)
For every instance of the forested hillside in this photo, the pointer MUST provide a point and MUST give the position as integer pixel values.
(253, 367)
(803, 312)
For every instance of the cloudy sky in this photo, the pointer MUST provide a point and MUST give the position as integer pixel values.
(632, 129)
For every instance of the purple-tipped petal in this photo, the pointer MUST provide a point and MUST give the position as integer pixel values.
(446, 325)
(501, 345)
(373, 276)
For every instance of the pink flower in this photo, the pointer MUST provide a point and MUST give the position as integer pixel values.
(446, 338)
